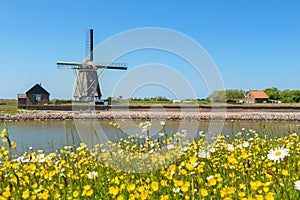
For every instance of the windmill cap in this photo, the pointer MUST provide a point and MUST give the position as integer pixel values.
(89, 64)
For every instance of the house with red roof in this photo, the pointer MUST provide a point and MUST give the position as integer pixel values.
(256, 96)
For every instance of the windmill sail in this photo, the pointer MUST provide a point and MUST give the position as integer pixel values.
(87, 86)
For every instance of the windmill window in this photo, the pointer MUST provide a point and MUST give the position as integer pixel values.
(37, 97)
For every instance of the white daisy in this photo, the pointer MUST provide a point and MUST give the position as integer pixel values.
(170, 147)
(176, 190)
(278, 154)
(184, 149)
(204, 154)
(92, 175)
(245, 144)
(209, 177)
(230, 147)
(297, 185)
(162, 123)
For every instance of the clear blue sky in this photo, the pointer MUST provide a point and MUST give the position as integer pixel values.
(255, 44)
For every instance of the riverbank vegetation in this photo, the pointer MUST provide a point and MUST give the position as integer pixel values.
(285, 96)
(8, 106)
(247, 165)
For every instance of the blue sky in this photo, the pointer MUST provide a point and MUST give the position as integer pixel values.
(255, 44)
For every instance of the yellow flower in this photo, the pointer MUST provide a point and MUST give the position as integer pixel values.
(172, 167)
(86, 187)
(130, 187)
(285, 172)
(15, 165)
(43, 195)
(4, 140)
(75, 194)
(154, 186)
(57, 195)
(163, 183)
(164, 197)
(113, 190)
(255, 185)
(265, 189)
(13, 144)
(25, 194)
(223, 192)
(230, 190)
(193, 159)
(3, 132)
(169, 175)
(141, 189)
(131, 197)
(144, 195)
(178, 183)
(203, 192)
(189, 167)
(241, 194)
(120, 197)
(5, 152)
(211, 180)
(269, 196)
(185, 187)
(89, 193)
(183, 172)
(259, 197)
(32, 167)
(232, 160)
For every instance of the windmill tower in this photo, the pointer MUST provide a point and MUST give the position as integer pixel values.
(87, 85)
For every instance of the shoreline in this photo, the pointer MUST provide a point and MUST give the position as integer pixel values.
(145, 114)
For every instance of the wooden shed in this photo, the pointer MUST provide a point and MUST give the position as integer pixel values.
(256, 96)
(36, 95)
(21, 99)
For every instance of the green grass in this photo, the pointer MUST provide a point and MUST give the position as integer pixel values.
(11, 106)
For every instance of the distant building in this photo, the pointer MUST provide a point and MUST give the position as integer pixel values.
(176, 101)
(237, 101)
(256, 96)
(36, 95)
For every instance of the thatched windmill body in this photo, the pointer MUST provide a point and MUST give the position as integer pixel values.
(87, 85)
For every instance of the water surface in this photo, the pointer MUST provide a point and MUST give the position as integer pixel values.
(52, 135)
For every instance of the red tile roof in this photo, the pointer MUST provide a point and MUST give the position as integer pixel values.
(259, 94)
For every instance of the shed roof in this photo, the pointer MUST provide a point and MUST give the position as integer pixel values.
(259, 94)
(21, 96)
(37, 89)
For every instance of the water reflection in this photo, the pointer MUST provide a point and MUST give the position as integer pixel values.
(52, 135)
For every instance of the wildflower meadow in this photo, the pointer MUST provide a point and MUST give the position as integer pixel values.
(247, 165)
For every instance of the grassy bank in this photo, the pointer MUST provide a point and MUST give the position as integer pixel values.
(9, 106)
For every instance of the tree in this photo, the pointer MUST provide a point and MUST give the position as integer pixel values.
(286, 96)
(221, 96)
(296, 96)
(235, 94)
(273, 93)
(218, 96)
(108, 99)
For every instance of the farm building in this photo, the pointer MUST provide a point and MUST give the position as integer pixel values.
(36, 95)
(256, 96)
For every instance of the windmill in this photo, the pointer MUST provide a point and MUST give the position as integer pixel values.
(87, 85)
